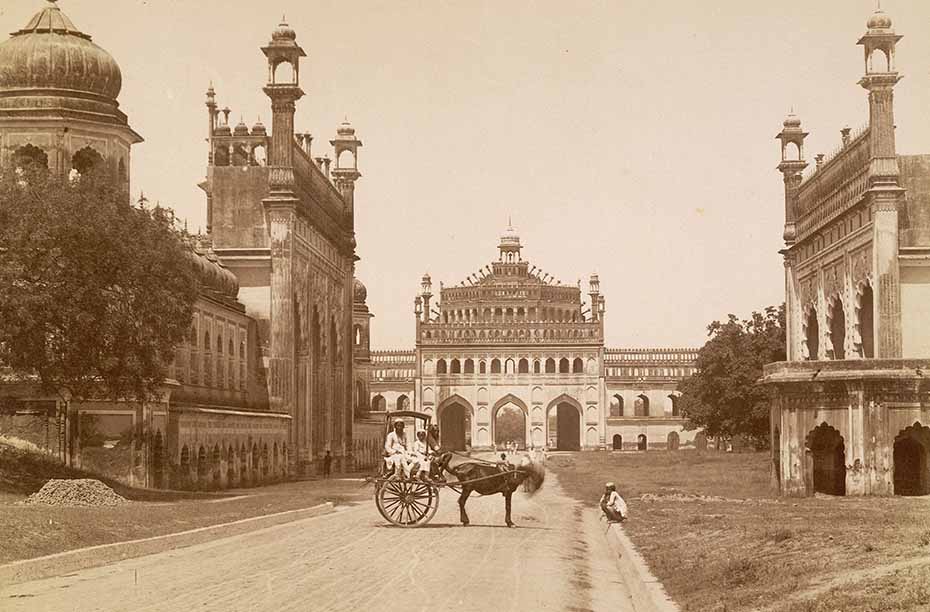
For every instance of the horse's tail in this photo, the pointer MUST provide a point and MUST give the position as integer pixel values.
(535, 472)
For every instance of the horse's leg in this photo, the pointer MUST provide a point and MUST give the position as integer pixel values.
(466, 491)
(508, 493)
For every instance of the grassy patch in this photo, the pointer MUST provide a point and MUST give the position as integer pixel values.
(714, 534)
(34, 531)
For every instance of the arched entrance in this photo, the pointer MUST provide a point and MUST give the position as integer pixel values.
(642, 443)
(510, 425)
(673, 441)
(564, 425)
(911, 458)
(454, 426)
(828, 460)
(618, 442)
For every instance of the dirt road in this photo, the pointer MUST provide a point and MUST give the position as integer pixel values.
(556, 559)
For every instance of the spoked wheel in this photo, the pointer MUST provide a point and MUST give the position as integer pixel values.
(407, 503)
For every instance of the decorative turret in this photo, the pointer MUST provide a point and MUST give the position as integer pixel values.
(510, 245)
(283, 88)
(791, 166)
(346, 171)
(426, 287)
(594, 292)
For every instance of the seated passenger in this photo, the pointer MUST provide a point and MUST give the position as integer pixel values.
(420, 457)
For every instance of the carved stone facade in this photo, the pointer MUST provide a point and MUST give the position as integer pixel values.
(511, 354)
(849, 414)
(284, 224)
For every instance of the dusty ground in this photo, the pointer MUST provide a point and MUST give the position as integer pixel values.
(750, 551)
(35, 531)
(555, 560)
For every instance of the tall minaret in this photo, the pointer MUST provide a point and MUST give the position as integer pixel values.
(884, 192)
(281, 209)
(346, 171)
(594, 292)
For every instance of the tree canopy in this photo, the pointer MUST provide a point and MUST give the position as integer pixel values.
(95, 291)
(724, 397)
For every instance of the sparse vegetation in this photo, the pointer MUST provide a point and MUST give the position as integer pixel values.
(713, 533)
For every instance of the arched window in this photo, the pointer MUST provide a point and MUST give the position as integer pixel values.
(523, 367)
(676, 410)
(455, 367)
(641, 406)
(866, 328)
(495, 366)
(358, 335)
(86, 160)
(378, 403)
(812, 335)
(838, 330)
(563, 366)
(537, 367)
(509, 366)
(284, 72)
(578, 366)
(219, 343)
(206, 341)
(550, 366)
(469, 366)
(616, 406)
(403, 402)
(30, 157)
(482, 367)
(441, 367)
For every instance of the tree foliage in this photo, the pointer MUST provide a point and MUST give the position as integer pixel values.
(724, 397)
(95, 292)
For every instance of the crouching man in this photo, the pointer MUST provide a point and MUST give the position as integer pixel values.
(612, 504)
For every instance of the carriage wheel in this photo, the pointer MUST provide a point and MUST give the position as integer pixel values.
(407, 503)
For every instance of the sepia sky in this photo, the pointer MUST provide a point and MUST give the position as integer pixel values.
(632, 138)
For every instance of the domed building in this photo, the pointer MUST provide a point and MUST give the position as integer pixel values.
(58, 99)
(213, 427)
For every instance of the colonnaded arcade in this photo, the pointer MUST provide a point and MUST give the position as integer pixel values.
(852, 404)
(511, 354)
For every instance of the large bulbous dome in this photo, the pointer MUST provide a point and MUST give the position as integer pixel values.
(50, 53)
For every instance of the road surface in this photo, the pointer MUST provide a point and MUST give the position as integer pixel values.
(556, 559)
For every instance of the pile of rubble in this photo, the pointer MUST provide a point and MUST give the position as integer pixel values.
(76, 492)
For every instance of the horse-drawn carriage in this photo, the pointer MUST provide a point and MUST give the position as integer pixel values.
(411, 502)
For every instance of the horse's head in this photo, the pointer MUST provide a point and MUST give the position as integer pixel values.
(534, 474)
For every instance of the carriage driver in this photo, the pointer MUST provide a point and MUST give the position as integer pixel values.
(395, 450)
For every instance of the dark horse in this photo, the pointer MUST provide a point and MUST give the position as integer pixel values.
(502, 478)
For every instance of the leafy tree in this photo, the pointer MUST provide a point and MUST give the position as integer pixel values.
(95, 292)
(724, 397)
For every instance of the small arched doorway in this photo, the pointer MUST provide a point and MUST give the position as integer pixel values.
(454, 423)
(828, 460)
(866, 326)
(618, 442)
(911, 457)
(673, 441)
(642, 443)
(565, 423)
(510, 426)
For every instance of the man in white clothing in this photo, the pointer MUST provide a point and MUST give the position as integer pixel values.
(395, 450)
(613, 505)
